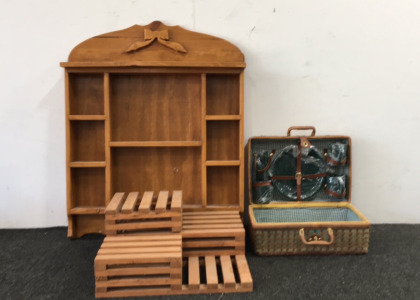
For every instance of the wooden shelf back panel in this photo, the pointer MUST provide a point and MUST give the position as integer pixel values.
(85, 224)
(222, 140)
(156, 169)
(86, 94)
(223, 186)
(222, 94)
(88, 187)
(87, 139)
(155, 107)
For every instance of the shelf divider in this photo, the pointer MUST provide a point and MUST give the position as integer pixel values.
(222, 163)
(87, 210)
(108, 185)
(204, 139)
(223, 117)
(86, 117)
(87, 164)
(156, 144)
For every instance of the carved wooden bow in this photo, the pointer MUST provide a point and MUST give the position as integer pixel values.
(162, 37)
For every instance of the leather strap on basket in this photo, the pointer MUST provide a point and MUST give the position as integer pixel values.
(299, 176)
(336, 195)
(270, 159)
(333, 162)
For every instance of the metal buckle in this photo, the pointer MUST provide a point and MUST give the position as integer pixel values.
(298, 175)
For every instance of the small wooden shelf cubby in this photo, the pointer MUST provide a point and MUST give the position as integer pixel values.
(165, 116)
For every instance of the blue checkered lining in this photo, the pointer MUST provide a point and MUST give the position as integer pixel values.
(298, 215)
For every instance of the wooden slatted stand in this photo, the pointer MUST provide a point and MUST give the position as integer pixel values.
(130, 214)
(217, 274)
(212, 233)
(139, 265)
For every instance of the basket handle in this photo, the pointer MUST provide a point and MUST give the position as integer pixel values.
(301, 128)
(320, 243)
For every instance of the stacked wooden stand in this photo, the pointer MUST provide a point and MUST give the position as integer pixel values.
(151, 109)
(149, 262)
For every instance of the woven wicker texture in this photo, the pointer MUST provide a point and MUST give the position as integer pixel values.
(310, 214)
(287, 242)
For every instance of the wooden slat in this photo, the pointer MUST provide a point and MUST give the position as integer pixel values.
(162, 250)
(154, 237)
(190, 233)
(176, 204)
(141, 225)
(139, 244)
(212, 243)
(176, 215)
(130, 203)
(228, 222)
(212, 226)
(136, 282)
(227, 271)
(146, 202)
(208, 213)
(115, 205)
(134, 258)
(211, 272)
(186, 252)
(162, 202)
(193, 272)
(213, 217)
(146, 270)
(243, 270)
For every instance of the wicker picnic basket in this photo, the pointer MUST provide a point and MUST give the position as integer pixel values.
(299, 194)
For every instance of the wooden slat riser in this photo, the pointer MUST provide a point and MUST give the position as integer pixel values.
(214, 282)
(134, 214)
(142, 225)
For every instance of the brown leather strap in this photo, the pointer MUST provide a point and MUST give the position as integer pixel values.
(299, 172)
(270, 159)
(299, 176)
(261, 183)
(283, 177)
(309, 176)
(336, 163)
(336, 195)
(333, 162)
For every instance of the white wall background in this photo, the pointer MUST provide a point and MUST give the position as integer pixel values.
(346, 67)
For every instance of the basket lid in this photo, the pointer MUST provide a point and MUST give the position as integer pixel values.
(299, 168)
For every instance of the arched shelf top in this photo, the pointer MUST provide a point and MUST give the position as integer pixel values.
(155, 45)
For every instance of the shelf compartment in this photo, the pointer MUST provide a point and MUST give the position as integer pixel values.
(157, 144)
(155, 107)
(86, 92)
(223, 186)
(86, 223)
(87, 140)
(87, 164)
(87, 210)
(87, 187)
(223, 140)
(222, 117)
(87, 118)
(222, 94)
(157, 169)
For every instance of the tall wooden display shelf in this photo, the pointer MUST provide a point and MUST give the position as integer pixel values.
(153, 108)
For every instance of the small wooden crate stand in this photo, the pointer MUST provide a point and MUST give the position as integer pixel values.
(212, 233)
(128, 213)
(142, 265)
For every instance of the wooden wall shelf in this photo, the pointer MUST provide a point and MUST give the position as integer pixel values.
(153, 119)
